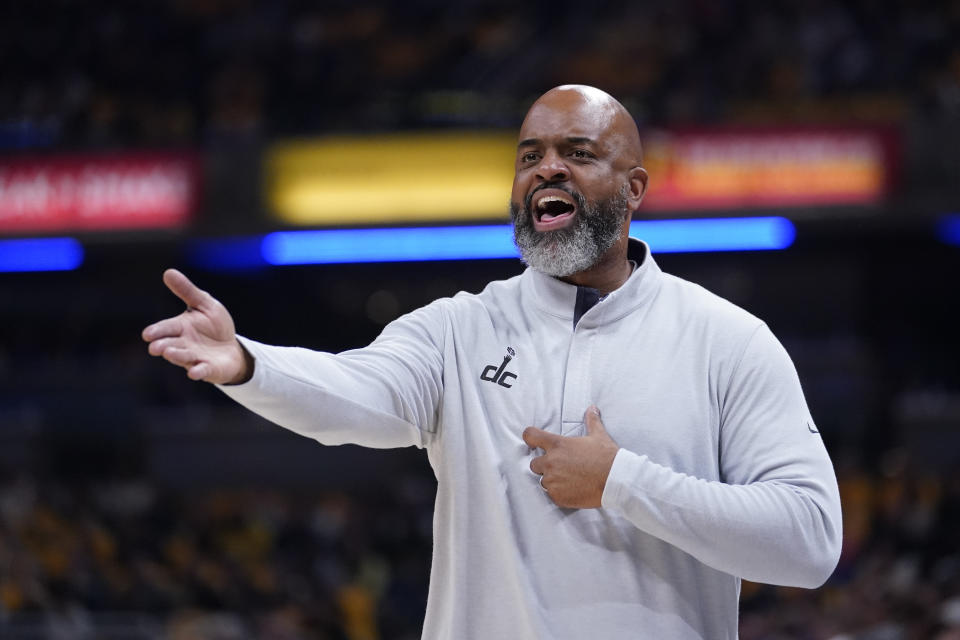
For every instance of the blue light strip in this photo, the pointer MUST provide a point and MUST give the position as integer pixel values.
(715, 234)
(388, 245)
(496, 241)
(40, 254)
(949, 229)
(338, 246)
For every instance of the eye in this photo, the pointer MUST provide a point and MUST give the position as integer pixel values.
(581, 154)
(529, 156)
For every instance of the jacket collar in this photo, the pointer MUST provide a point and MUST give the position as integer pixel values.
(559, 298)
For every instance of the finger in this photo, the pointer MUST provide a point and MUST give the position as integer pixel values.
(181, 287)
(157, 347)
(594, 424)
(545, 487)
(199, 371)
(171, 327)
(535, 437)
(180, 356)
(538, 466)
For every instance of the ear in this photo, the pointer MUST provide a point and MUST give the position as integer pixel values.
(637, 180)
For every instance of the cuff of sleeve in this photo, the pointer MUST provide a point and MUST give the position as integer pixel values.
(622, 469)
(615, 481)
(251, 347)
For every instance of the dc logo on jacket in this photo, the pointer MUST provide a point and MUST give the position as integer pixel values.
(499, 375)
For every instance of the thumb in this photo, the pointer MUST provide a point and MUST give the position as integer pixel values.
(181, 287)
(591, 418)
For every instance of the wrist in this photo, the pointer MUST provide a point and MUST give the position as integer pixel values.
(247, 366)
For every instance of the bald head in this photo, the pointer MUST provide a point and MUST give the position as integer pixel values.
(588, 108)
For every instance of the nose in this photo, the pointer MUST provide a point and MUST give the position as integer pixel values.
(552, 168)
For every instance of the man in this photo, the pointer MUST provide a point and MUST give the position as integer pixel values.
(704, 468)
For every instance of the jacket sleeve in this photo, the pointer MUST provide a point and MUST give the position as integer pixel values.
(384, 395)
(775, 515)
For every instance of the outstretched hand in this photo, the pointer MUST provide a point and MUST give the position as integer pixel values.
(202, 339)
(574, 469)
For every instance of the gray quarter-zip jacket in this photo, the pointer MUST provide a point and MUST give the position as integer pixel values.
(721, 474)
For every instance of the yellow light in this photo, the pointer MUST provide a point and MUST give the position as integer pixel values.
(391, 178)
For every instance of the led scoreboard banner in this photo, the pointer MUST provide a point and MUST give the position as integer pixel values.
(98, 192)
(466, 176)
(434, 195)
(762, 168)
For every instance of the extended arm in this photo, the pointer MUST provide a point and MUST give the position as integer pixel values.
(385, 395)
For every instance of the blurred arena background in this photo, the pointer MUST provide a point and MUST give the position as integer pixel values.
(135, 504)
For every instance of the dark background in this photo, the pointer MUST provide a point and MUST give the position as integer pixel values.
(136, 504)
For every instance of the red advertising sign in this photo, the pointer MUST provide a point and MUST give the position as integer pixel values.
(732, 168)
(86, 192)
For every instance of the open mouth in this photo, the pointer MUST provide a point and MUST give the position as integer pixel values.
(553, 209)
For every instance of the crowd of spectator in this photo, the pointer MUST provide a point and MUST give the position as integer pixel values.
(178, 72)
(231, 564)
(214, 564)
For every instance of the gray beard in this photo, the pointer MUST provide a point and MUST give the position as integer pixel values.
(564, 252)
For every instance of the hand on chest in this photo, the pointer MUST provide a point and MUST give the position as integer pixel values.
(655, 399)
